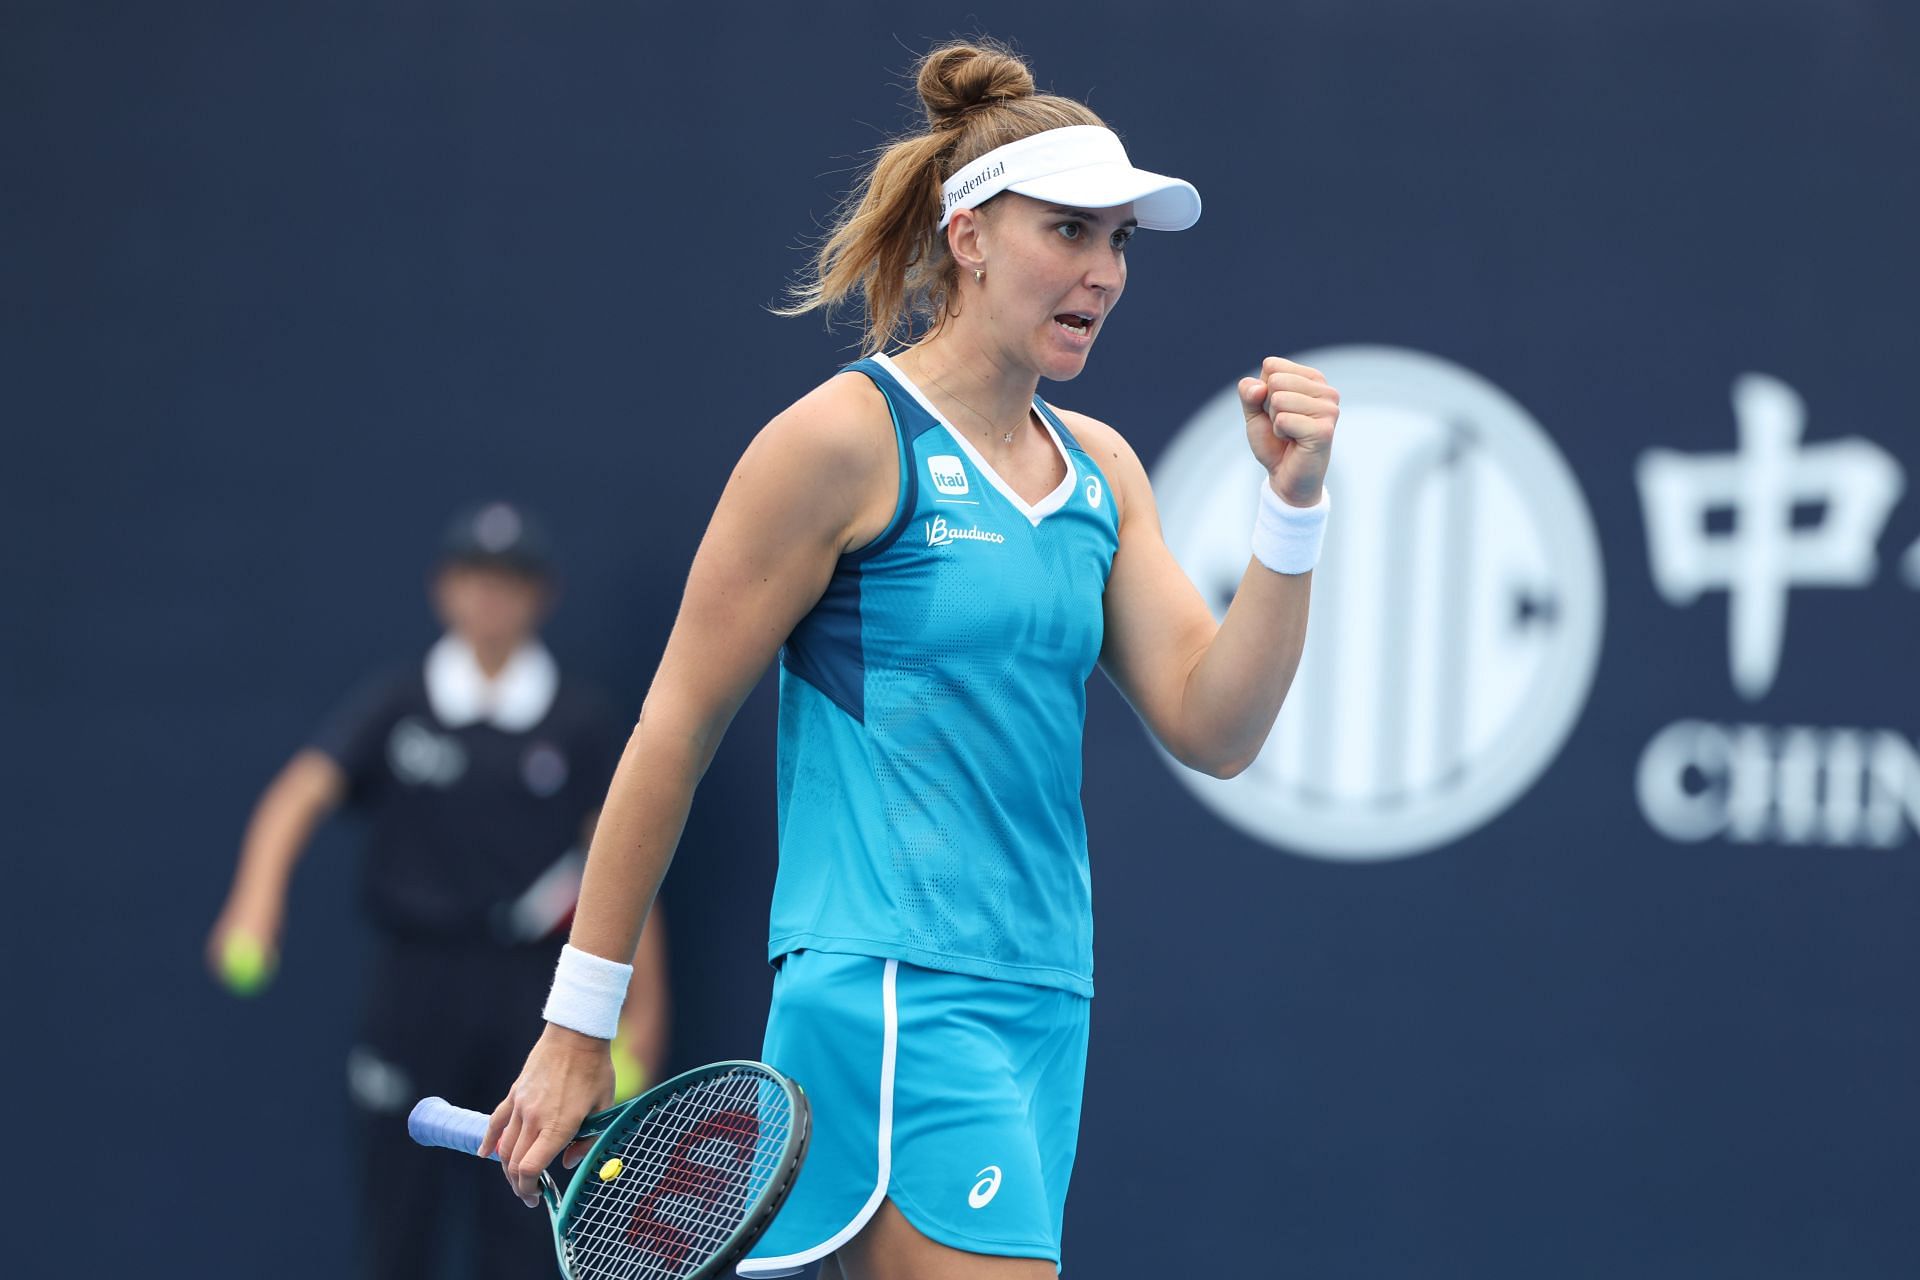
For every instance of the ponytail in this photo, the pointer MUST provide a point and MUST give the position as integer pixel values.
(885, 240)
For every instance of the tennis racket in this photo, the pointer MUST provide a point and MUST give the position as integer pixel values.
(679, 1182)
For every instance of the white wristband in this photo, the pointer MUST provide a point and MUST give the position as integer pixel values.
(1287, 538)
(588, 991)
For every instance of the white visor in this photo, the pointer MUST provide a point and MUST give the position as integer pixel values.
(1081, 166)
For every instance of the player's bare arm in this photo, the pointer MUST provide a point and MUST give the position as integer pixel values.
(818, 481)
(1210, 692)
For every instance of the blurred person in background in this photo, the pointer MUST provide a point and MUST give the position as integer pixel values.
(479, 773)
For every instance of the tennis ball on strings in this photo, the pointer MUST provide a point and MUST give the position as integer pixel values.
(611, 1169)
(246, 965)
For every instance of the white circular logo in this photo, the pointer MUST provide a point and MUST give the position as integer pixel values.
(420, 757)
(1093, 492)
(497, 527)
(1457, 608)
(985, 1189)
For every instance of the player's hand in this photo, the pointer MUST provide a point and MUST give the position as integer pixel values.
(1291, 412)
(568, 1077)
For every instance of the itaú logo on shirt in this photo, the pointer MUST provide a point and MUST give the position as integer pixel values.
(940, 533)
(948, 475)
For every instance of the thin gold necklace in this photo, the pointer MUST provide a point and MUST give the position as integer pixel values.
(1006, 437)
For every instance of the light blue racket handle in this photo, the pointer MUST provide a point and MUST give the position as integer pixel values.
(435, 1122)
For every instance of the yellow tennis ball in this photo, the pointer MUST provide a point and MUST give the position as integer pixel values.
(611, 1170)
(629, 1073)
(246, 966)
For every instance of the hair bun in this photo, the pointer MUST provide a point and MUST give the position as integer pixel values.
(957, 78)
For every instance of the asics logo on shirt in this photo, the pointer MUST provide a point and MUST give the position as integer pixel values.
(940, 533)
(985, 1189)
(1093, 492)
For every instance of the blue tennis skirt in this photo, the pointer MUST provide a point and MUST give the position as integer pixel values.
(956, 1097)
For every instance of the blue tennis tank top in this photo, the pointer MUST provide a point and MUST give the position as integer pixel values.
(931, 711)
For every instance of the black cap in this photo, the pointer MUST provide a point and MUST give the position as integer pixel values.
(500, 535)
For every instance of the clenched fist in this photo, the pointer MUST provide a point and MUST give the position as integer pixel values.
(1291, 412)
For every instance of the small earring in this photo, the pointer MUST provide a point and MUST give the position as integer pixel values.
(979, 275)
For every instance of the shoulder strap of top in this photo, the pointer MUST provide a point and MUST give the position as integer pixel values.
(1066, 436)
(899, 406)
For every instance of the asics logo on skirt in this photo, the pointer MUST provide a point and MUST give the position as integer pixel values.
(985, 1189)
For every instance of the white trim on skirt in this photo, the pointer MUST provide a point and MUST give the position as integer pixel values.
(790, 1264)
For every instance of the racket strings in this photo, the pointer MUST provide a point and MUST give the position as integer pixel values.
(692, 1169)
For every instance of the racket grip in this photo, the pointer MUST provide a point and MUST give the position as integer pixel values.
(435, 1122)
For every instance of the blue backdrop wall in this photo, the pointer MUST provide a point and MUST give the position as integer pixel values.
(1584, 948)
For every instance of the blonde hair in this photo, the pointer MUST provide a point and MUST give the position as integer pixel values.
(885, 240)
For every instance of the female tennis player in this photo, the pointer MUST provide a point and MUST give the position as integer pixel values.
(940, 558)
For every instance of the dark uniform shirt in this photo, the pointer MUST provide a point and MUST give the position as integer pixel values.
(466, 818)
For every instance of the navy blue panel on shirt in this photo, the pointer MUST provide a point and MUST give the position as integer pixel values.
(825, 650)
(827, 653)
